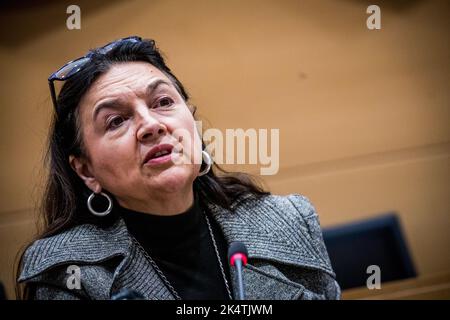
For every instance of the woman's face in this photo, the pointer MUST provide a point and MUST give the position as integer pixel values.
(137, 129)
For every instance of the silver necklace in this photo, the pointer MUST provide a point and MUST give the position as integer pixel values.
(164, 278)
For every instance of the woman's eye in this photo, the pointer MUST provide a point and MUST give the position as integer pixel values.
(164, 102)
(114, 122)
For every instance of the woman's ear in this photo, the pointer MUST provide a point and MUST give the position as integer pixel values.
(81, 166)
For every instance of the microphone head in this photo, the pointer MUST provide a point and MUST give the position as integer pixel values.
(237, 249)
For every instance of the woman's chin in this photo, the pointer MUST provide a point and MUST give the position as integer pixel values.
(174, 178)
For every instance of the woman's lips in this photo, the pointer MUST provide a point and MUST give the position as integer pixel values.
(155, 153)
(160, 160)
(174, 155)
(170, 157)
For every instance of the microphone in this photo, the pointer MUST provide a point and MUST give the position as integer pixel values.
(237, 256)
(127, 294)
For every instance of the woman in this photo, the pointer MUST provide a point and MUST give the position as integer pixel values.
(132, 205)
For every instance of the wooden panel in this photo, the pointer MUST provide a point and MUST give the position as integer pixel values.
(435, 286)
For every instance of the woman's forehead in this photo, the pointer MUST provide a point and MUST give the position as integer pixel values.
(122, 79)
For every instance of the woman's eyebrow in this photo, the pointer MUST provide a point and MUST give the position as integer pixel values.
(117, 102)
(153, 85)
(107, 104)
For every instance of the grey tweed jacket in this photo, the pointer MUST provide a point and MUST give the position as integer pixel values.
(287, 256)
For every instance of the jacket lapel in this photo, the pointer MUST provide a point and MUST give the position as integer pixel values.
(137, 273)
(266, 284)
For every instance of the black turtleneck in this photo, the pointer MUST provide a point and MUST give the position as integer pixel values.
(182, 248)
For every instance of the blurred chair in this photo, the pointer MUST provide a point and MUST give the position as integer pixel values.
(377, 241)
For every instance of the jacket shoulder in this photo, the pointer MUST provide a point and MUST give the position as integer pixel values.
(85, 243)
(300, 203)
(293, 208)
(290, 226)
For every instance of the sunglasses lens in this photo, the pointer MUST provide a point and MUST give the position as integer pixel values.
(71, 68)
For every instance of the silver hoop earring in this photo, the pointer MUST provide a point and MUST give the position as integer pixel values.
(99, 213)
(208, 161)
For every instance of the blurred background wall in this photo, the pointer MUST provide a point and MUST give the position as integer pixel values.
(363, 114)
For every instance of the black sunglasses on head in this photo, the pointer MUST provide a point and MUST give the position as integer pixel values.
(72, 67)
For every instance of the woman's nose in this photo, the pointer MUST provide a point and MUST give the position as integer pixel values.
(151, 129)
